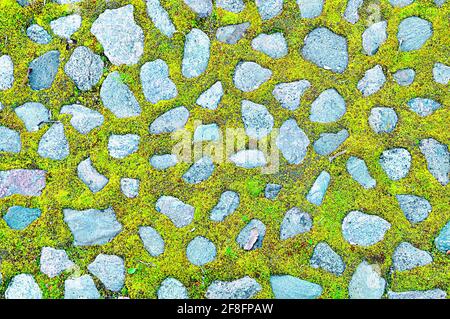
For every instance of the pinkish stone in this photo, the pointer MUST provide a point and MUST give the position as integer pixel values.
(22, 182)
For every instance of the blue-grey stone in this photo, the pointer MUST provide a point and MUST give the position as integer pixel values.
(319, 188)
(351, 11)
(292, 142)
(156, 84)
(439, 3)
(326, 258)
(84, 120)
(211, 98)
(18, 217)
(252, 235)
(179, 213)
(67, 1)
(415, 208)
(200, 251)
(441, 73)
(404, 77)
(54, 144)
(120, 146)
(418, 294)
(438, 159)
(400, 3)
(234, 6)
(248, 76)
(90, 176)
(396, 163)
(118, 98)
(33, 115)
(363, 229)
(65, 27)
(383, 119)
(160, 18)
(269, 9)
(326, 49)
(231, 34)
(242, 288)
(196, 54)
(290, 287)
(38, 34)
(152, 240)
(164, 161)
(1, 106)
(423, 106)
(366, 282)
(442, 241)
(258, 122)
(206, 133)
(10, 141)
(6, 72)
(54, 261)
(228, 203)
(329, 142)
(80, 288)
(200, 171)
(110, 269)
(43, 70)
(310, 9)
(373, 37)
(249, 159)
(92, 226)
(85, 68)
(295, 222)
(23, 286)
(274, 45)
(130, 187)
(328, 107)
(24, 182)
(172, 288)
(407, 257)
(202, 8)
(413, 32)
(122, 39)
(358, 170)
(23, 3)
(272, 190)
(289, 94)
(372, 81)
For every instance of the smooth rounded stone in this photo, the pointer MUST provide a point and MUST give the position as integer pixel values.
(441, 73)
(179, 213)
(290, 287)
(423, 106)
(23, 286)
(407, 257)
(164, 161)
(271, 191)
(249, 76)
(231, 34)
(235, 6)
(152, 240)
(438, 159)
(351, 11)
(418, 294)
(358, 170)
(122, 39)
(404, 77)
(160, 18)
(110, 269)
(415, 208)
(200, 171)
(130, 187)
(80, 288)
(442, 241)
(252, 235)
(326, 49)
(383, 119)
(26, 182)
(363, 229)
(269, 9)
(326, 258)
(413, 32)
(172, 288)
(43, 70)
(328, 107)
(32, 115)
(310, 9)
(319, 188)
(10, 141)
(207, 133)
(396, 163)
(90, 176)
(121, 146)
(85, 68)
(373, 37)
(170, 121)
(84, 120)
(118, 98)
(366, 282)
(289, 94)
(6, 72)
(242, 288)
(211, 98)
(156, 84)
(258, 122)
(292, 142)
(372, 81)
(295, 222)
(329, 142)
(54, 261)
(65, 27)
(54, 144)
(228, 203)
(19, 217)
(202, 8)
(274, 45)
(400, 3)
(92, 226)
(38, 34)
(196, 54)
(200, 251)
(249, 159)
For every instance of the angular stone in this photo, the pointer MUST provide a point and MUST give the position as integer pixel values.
(162, 162)
(207, 133)
(54, 144)
(318, 189)
(156, 84)
(172, 288)
(25, 182)
(110, 269)
(84, 120)
(6, 72)
(310, 9)
(242, 288)
(200, 251)
(228, 203)
(366, 282)
(383, 119)
(413, 32)
(211, 98)
(234, 6)
(373, 37)
(196, 54)
(54, 261)
(418, 294)
(258, 122)
(292, 142)
(200, 171)
(38, 34)
(65, 27)
(170, 121)
(80, 288)
(271, 191)
(329, 142)
(415, 208)
(441, 73)
(249, 159)
(404, 77)
(33, 115)
(152, 240)
(23, 286)
(289, 94)
(295, 222)
(326, 258)
(248, 76)
(179, 213)
(400, 3)
(358, 170)
(121, 146)
(328, 107)
(252, 235)
(423, 106)
(407, 257)
(442, 241)
(269, 9)
(274, 45)
(130, 187)
(396, 163)
(438, 159)
(90, 176)
(19, 217)
(372, 81)
(202, 8)
(10, 141)
(231, 34)
(351, 11)
(160, 18)
(363, 229)
(290, 287)
(43, 70)
(85, 68)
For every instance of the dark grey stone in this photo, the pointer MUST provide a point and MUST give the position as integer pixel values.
(363, 229)
(415, 208)
(200, 251)
(54, 144)
(290, 287)
(295, 222)
(242, 288)
(18, 217)
(396, 163)
(228, 203)
(179, 213)
(292, 142)
(43, 71)
(326, 258)
(438, 159)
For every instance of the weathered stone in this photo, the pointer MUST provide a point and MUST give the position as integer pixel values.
(234, 6)
(130, 187)
(23, 286)
(274, 45)
(202, 8)
(200, 171)
(295, 222)
(228, 203)
(418, 294)
(179, 213)
(290, 287)
(258, 122)
(38, 34)
(152, 240)
(80, 288)
(121, 146)
(6, 72)
(65, 27)
(196, 54)
(90, 176)
(19, 217)
(423, 106)
(413, 32)
(242, 288)
(310, 9)
(351, 11)
(156, 84)
(110, 269)
(318, 189)
(200, 251)
(67, 1)
(326, 258)
(249, 159)
(366, 282)
(84, 120)
(207, 133)
(172, 288)
(357, 168)
(25, 182)
(372, 81)
(33, 115)
(211, 98)
(439, 3)
(231, 34)
(54, 144)
(289, 94)
(54, 261)
(170, 121)
(405, 77)
(441, 73)
(269, 9)
(10, 141)
(271, 191)
(43, 71)
(373, 37)
(383, 119)
(328, 107)
(442, 241)
(363, 229)
(85, 68)
(415, 208)
(252, 235)
(162, 162)
(407, 257)
(329, 142)
(438, 159)
(160, 18)
(292, 142)
(400, 3)
(396, 163)
(248, 76)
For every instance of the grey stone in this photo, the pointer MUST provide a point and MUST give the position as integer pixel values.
(290, 287)
(23, 286)
(415, 208)
(67, 1)
(84, 68)
(271, 191)
(23, 3)
(152, 240)
(130, 187)
(65, 27)
(438, 159)
(372, 81)
(292, 142)
(156, 84)
(207, 132)
(319, 188)
(19, 217)
(43, 70)
(26, 182)
(33, 115)
(6, 72)
(396, 163)
(383, 119)
(326, 49)
(404, 77)
(373, 37)
(80, 288)
(90, 176)
(10, 141)
(258, 122)
(310, 8)
(202, 8)
(196, 54)
(179, 213)
(248, 76)
(274, 45)
(211, 98)
(54, 261)
(439, 3)
(328, 107)
(118, 98)
(84, 120)
(418, 294)
(441, 73)
(295, 222)
(242, 288)
(92, 226)
(400, 3)
(442, 241)
(269, 9)
(110, 269)
(170, 121)
(54, 144)
(366, 282)
(200, 171)
(172, 288)
(363, 229)
(326, 258)
(121, 146)
(289, 94)
(164, 161)
(351, 11)
(423, 106)
(329, 142)
(252, 235)
(200, 251)
(234, 6)
(249, 159)
(407, 257)
(358, 170)
(231, 34)
(1, 106)
(160, 18)
(413, 32)
(228, 203)
(38, 34)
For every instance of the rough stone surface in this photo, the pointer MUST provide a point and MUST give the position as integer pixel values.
(441, 73)
(373, 37)
(310, 9)
(442, 241)
(329, 142)
(358, 170)
(160, 18)
(84, 120)
(179, 213)
(404, 77)
(121, 146)
(292, 142)
(242, 288)
(413, 32)
(363, 229)
(211, 98)
(269, 9)
(383, 119)
(415, 208)
(156, 84)
(6, 72)
(274, 45)
(54, 144)
(258, 122)
(248, 76)
(196, 54)
(396, 163)
(438, 159)
(33, 115)
(85, 68)
(231, 34)
(234, 6)
(172, 288)
(110, 269)
(328, 107)
(54, 261)
(351, 11)
(200, 171)
(252, 235)
(423, 106)
(10, 140)
(43, 70)
(326, 258)
(23, 286)
(90, 176)
(228, 203)
(200, 251)
(407, 257)
(249, 159)
(26, 182)
(318, 189)
(366, 282)
(421, 294)
(38, 34)
(164, 161)
(290, 287)
(289, 94)
(372, 81)
(80, 288)
(65, 27)
(202, 8)
(272, 190)
(130, 187)
(19, 217)
(152, 240)
(400, 3)
(207, 133)
(295, 222)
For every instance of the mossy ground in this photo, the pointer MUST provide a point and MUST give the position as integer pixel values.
(20, 250)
